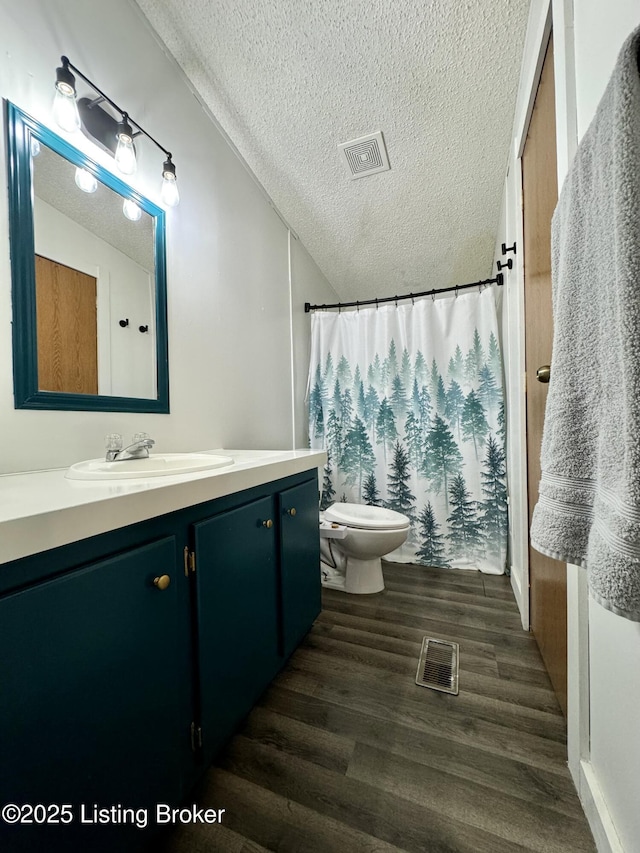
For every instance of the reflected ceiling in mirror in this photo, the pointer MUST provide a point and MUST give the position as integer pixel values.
(89, 285)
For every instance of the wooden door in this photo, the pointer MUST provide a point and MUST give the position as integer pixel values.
(67, 329)
(547, 577)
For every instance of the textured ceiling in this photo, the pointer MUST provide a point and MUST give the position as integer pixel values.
(99, 212)
(289, 80)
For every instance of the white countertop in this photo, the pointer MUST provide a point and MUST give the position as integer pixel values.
(41, 510)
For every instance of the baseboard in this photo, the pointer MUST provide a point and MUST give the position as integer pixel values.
(595, 808)
(523, 606)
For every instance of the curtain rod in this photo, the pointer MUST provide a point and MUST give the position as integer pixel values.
(499, 280)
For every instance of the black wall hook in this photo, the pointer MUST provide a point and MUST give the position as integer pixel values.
(506, 248)
(508, 264)
(143, 329)
(123, 323)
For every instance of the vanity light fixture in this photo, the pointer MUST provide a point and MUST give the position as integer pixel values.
(114, 135)
(65, 108)
(125, 152)
(169, 192)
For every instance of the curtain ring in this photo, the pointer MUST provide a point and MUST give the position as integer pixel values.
(413, 302)
(376, 303)
(357, 306)
(433, 295)
(396, 298)
(456, 291)
(339, 308)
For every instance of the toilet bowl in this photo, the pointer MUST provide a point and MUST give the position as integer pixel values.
(370, 533)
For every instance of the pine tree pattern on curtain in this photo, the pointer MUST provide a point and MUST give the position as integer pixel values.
(408, 402)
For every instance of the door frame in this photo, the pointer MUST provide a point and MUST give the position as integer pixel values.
(537, 39)
(541, 16)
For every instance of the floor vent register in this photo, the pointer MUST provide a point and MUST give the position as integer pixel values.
(438, 665)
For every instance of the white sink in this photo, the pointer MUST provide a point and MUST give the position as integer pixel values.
(155, 465)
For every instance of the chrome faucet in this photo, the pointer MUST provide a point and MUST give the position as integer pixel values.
(138, 449)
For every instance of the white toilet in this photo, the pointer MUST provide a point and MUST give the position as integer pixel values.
(352, 562)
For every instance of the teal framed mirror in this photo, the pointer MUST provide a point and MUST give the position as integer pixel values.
(89, 290)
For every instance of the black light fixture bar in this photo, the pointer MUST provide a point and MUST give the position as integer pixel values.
(67, 64)
(499, 280)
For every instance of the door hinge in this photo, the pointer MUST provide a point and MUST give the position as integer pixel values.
(189, 561)
(196, 737)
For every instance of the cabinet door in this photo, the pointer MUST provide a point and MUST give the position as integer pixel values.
(299, 561)
(93, 692)
(237, 616)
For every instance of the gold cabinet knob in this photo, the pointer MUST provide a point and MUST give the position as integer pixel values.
(162, 582)
(291, 511)
(268, 523)
(543, 373)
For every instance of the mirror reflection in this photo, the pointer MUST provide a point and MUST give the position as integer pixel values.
(88, 271)
(95, 283)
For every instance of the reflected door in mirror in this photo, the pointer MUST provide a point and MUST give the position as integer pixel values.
(67, 331)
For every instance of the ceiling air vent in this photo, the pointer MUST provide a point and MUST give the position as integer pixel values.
(365, 156)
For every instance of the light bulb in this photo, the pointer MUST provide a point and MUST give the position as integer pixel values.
(131, 210)
(125, 152)
(169, 193)
(65, 108)
(35, 147)
(86, 181)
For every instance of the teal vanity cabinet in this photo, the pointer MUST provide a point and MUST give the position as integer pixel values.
(258, 592)
(128, 659)
(92, 697)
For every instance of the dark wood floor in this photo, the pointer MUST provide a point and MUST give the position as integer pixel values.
(345, 753)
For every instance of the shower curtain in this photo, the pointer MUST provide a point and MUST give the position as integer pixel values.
(407, 400)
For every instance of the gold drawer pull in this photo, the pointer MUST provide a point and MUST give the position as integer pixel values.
(291, 511)
(162, 582)
(268, 523)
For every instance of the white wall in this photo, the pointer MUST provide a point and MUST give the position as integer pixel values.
(603, 649)
(230, 324)
(308, 285)
(614, 643)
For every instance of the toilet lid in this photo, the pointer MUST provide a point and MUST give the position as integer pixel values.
(366, 517)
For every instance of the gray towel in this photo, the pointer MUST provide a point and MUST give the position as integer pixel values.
(588, 512)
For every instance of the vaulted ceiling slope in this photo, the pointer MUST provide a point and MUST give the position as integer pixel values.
(289, 80)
